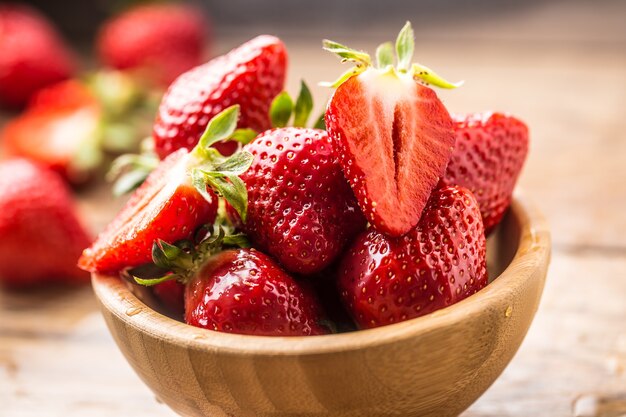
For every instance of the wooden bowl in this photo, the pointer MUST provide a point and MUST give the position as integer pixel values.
(435, 365)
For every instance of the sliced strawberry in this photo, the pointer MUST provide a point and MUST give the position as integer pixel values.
(173, 202)
(385, 280)
(394, 138)
(60, 121)
(166, 207)
(489, 154)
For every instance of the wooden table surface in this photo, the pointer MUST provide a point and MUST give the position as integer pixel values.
(562, 68)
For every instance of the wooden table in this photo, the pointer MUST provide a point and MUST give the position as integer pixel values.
(563, 70)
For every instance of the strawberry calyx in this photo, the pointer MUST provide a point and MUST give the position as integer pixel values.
(182, 260)
(283, 108)
(385, 57)
(209, 168)
(128, 171)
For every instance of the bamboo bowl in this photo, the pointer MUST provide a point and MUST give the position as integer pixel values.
(435, 365)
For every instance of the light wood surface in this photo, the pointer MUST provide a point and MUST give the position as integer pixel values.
(436, 365)
(561, 67)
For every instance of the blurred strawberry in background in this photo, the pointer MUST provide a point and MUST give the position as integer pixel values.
(72, 127)
(33, 55)
(163, 40)
(41, 236)
(61, 120)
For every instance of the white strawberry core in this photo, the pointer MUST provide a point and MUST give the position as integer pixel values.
(389, 85)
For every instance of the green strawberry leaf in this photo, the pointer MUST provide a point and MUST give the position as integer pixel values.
(149, 282)
(220, 127)
(130, 170)
(346, 53)
(428, 76)
(405, 46)
(233, 189)
(236, 164)
(321, 122)
(198, 180)
(128, 182)
(281, 109)
(304, 106)
(344, 77)
(238, 240)
(384, 55)
(244, 136)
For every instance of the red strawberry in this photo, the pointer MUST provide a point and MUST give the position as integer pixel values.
(52, 131)
(40, 235)
(173, 201)
(33, 55)
(250, 75)
(172, 295)
(393, 135)
(244, 291)
(442, 261)
(301, 209)
(163, 40)
(489, 154)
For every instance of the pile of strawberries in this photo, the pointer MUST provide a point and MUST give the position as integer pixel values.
(254, 223)
(250, 226)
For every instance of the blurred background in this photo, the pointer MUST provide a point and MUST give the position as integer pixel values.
(558, 65)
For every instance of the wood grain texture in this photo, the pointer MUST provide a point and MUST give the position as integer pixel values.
(436, 365)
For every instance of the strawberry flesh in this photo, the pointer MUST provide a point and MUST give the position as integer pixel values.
(393, 137)
(440, 262)
(244, 291)
(165, 207)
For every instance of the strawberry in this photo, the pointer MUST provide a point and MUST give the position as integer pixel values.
(173, 201)
(489, 154)
(40, 235)
(438, 263)
(244, 291)
(250, 75)
(162, 40)
(59, 122)
(301, 210)
(172, 295)
(392, 134)
(33, 55)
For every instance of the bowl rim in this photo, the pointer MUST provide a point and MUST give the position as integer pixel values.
(533, 250)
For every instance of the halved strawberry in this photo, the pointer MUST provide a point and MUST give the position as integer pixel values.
(173, 201)
(58, 123)
(392, 134)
